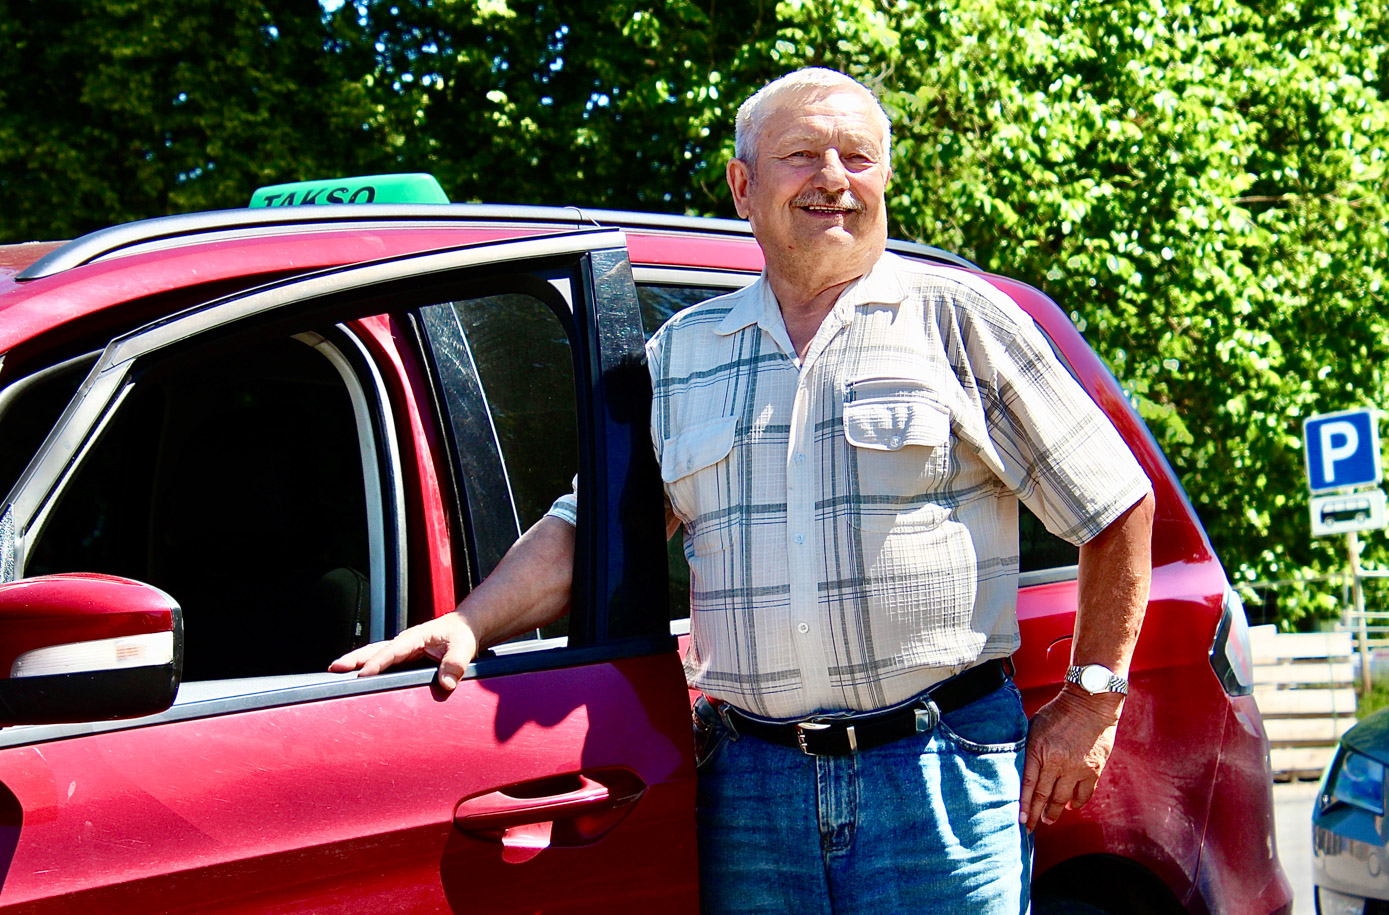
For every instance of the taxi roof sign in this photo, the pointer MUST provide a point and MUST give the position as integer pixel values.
(411, 188)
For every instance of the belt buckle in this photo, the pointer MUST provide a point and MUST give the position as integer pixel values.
(818, 726)
(927, 717)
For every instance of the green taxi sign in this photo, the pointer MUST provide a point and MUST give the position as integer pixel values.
(413, 188)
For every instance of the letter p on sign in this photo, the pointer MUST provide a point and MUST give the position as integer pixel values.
(1342, 450)
(1339, 440)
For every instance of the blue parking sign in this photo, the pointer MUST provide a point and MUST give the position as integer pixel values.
(1342, 449)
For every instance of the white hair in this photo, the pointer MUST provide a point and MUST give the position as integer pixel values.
(748, 126)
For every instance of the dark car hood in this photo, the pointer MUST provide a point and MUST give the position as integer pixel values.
(1371, 737)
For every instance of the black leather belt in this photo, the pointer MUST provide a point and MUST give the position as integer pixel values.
(830, 736)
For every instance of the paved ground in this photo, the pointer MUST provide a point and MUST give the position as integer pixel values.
(1292, 813)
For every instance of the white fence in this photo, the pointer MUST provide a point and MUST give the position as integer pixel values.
(1304, 684)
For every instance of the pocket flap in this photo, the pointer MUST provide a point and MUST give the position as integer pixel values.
(697, 448)
(890, 423)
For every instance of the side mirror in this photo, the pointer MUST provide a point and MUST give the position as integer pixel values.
(86, 647)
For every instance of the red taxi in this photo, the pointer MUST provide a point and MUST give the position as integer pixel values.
(235, 444)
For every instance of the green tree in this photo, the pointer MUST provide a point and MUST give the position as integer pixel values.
(613, 104)
(118, 109)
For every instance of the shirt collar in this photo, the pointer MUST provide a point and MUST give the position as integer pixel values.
(882, 285)
(756, 304)
(749, 305)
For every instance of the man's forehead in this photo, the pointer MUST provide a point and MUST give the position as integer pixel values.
(810, 115)
(812, 130)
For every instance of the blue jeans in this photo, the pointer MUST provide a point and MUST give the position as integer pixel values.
(925, 824)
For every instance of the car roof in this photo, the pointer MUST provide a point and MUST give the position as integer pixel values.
(15, 258)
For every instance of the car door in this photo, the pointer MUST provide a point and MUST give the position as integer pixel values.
(275, 462)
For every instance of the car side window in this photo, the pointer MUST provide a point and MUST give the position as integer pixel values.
(233, 479)
(658, 304)
(506, 371)
(527, 372)
(1038, 548)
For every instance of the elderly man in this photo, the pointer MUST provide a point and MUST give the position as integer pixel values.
(845, 442)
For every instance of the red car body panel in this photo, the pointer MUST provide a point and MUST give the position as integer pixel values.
(79, 823)
(294, 791)
(1239, 861)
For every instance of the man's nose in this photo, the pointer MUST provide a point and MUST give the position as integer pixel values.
(832, 175)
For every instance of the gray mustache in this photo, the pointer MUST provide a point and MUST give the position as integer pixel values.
(844, 201)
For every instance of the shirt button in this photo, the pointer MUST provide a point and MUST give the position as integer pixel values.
(896, 441)
(799, 538)
(802, 628)
(800, 458)
(689, 465)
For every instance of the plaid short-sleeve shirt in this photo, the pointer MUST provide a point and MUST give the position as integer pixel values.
(851, 517)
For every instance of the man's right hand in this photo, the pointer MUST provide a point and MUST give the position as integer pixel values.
(528, 589)
(447, 639)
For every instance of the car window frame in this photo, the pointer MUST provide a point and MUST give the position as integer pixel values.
(378, 442)
(11, 394)
(377, 468)
(16, 389)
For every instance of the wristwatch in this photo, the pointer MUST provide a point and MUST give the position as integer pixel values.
(1096, 679)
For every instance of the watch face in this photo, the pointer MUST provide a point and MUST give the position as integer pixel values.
(1094, 678)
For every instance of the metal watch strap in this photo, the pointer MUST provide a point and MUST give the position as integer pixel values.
(1116, 684)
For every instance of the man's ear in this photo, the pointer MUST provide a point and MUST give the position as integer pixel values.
(739, 177)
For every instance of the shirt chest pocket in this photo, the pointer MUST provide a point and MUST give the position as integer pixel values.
(700, 470)
(900, 437)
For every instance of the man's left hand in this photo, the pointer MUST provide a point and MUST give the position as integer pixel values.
(1068, 744)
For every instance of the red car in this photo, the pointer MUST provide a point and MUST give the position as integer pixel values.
(237, 444)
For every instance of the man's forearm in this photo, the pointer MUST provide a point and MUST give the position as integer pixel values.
(1112, 591)
(529, 588)
(1071, 737)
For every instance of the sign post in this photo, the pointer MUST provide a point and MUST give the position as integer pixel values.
(1343, 457)
(1357, 592)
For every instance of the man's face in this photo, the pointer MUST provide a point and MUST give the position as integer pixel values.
(815, 194)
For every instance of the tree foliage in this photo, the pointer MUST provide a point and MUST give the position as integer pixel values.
(119, 109)
(1200, 184)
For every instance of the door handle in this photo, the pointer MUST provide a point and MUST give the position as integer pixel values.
(520, 804)
(565, 810)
